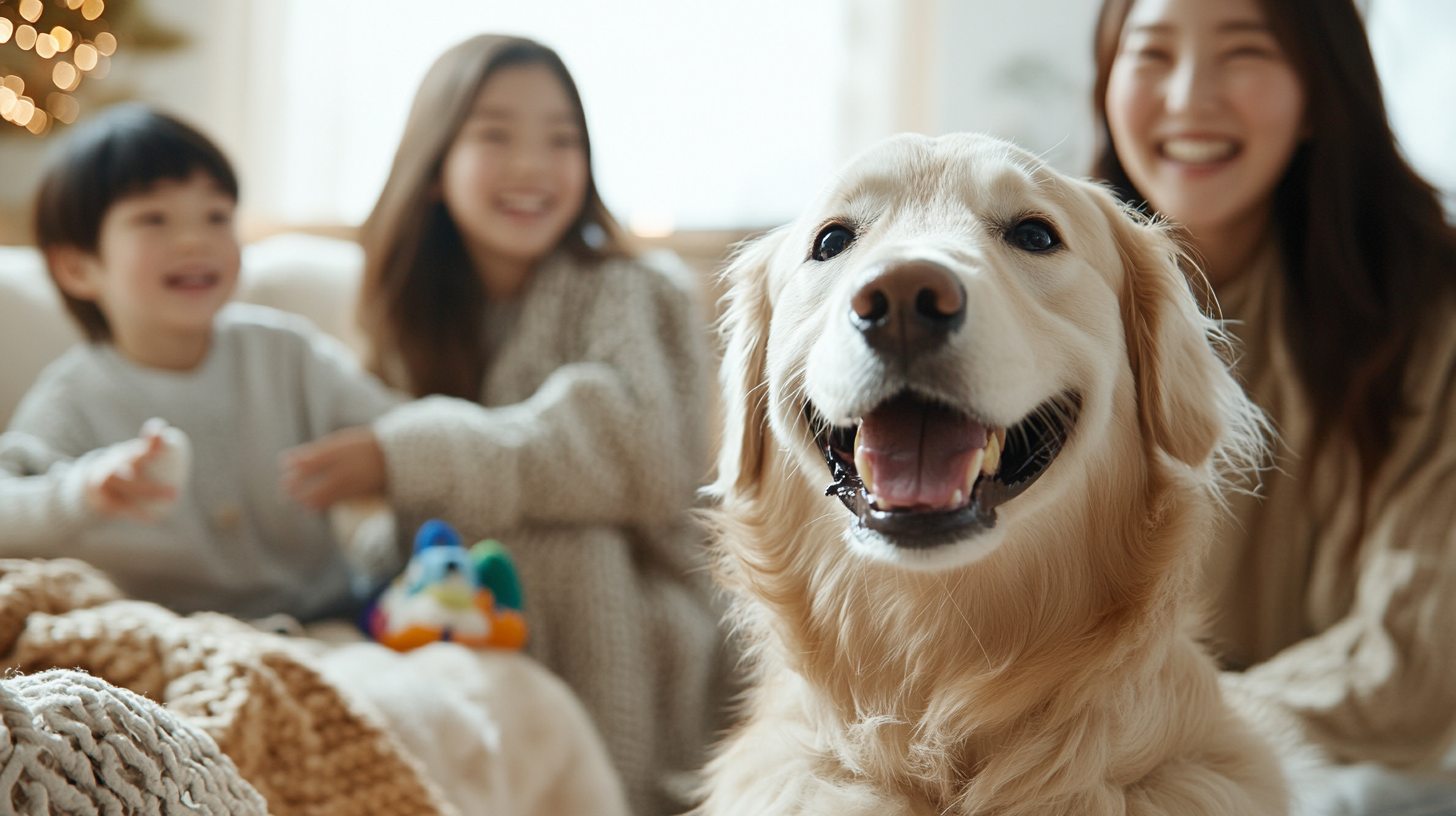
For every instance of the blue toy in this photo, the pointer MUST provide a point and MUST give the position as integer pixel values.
(472, 597)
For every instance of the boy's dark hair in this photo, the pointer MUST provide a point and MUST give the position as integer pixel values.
(121, 152)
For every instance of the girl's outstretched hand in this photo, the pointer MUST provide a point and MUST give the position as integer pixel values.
(345, 464)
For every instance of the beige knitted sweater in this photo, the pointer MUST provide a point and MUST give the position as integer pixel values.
(583, 455)
(1351, 649)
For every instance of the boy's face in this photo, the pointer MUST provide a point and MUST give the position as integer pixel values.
(166, 259)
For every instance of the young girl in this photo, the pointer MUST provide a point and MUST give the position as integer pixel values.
(1258, 125)
(563, 397)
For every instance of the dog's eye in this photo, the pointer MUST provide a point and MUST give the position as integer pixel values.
(1034, 235)
(833, 240)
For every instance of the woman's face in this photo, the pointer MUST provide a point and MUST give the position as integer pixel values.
(1204, 109)
(514, 179)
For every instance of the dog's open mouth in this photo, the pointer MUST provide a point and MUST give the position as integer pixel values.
(923, 474)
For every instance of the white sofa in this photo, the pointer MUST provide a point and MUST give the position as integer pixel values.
(315, 277)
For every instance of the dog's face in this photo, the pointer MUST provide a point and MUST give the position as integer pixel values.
(956, 338)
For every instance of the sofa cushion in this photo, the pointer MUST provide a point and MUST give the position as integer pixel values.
(313, 276)
(34, 327)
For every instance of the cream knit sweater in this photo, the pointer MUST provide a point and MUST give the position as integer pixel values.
(1348, 631)
(582, 456)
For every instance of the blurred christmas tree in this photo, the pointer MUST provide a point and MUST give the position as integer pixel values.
(52, 51)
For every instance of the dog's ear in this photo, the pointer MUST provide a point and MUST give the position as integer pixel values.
(1189, 405)
(743, 373)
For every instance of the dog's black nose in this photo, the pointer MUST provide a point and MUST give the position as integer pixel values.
(909, 307)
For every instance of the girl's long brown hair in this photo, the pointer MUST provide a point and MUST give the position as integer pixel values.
(422, 302)
(1369, 259)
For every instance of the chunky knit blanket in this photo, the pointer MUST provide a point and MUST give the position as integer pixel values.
(71, 743)
(238, 702)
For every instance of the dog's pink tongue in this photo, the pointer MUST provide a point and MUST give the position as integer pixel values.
(918, 452)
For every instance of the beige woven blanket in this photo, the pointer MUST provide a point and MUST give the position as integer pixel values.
(299, 740)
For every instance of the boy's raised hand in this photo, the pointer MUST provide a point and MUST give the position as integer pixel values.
(131, 479)
(345, 464)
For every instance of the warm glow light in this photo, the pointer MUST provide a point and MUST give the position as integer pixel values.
(15, 84)
(85, 56)
(63, 107)
(25, 37)
(46, 46)
(103, 67)
(63, 37)
(91, 9)
(38, 122)
(65, 76)
(7, 101)
(106, 43)
(23, 111)
(30, 9)
(74, 4)
(6, 29)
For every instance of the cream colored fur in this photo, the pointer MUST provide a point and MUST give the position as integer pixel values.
(1047, 666)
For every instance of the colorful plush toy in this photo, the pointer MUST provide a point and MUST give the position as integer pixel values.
(448, 593)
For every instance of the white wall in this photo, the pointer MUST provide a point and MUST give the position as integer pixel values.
(1021, 69)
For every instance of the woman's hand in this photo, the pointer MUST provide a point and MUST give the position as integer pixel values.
(119, 484)
(346, 464)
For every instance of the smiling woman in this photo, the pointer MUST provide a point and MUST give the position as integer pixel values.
(563, 398)
(1259, 126)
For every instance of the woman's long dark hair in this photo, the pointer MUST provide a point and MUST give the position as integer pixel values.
(422, 302)
(1369, 259)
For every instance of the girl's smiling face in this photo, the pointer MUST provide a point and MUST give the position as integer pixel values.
(1205, 111)
(514, 180)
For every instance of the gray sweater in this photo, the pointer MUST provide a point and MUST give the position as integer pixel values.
(234, 542)
(582, 456)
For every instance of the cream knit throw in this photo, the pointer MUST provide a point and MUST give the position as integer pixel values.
(303, 745)
(70, 743)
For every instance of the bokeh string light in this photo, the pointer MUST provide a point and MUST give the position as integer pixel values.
(48, 50)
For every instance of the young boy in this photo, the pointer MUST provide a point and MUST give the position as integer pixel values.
(135, 217)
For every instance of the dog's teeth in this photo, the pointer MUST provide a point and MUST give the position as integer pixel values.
(973, 470)
(862, 464)
(957, 498)
(992, 462)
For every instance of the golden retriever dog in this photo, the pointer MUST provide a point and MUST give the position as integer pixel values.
(976, 429)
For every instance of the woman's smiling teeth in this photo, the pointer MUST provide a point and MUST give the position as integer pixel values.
(1198, 151)
(525, 203)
